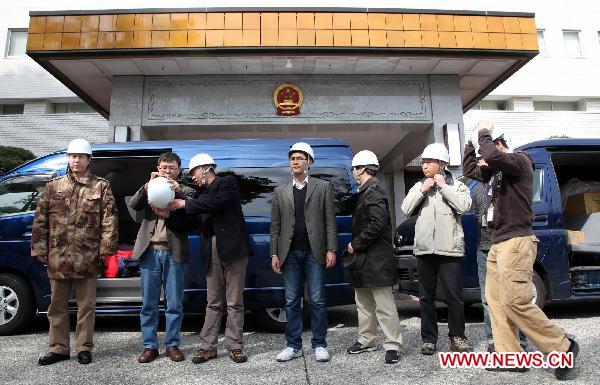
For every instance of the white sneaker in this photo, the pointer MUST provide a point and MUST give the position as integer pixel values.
(288, 353)
(321, 354)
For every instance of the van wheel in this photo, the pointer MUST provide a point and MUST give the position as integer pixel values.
(274, 319)
(16, 304)
(539, 290)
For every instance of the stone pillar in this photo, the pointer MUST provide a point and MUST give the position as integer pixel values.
(589, 105)
(126, 108)
(446, 107)
(520, 104)
(37, 107)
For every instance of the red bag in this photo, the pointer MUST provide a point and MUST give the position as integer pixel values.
(111, 264)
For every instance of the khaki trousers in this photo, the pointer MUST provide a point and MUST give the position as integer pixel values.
(225, 284)
(509, 291)
(377, 304)
(58, 314)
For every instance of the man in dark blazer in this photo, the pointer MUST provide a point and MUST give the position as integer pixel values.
(303, 243)
(163, 252)
(226, 248)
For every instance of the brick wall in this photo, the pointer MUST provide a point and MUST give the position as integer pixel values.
(42, 134)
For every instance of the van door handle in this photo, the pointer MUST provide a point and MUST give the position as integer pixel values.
(27, 233)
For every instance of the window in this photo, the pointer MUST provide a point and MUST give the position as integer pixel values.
(554, 106)
(572, 44)
(257, 184)
(564, 106)
(20, 194)
(538, 183)
(11, 109)
(17, 42)
(499, 105)
(542, 42)
(71, 108)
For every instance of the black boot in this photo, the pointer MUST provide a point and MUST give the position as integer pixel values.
(563, 373)
(84, 357)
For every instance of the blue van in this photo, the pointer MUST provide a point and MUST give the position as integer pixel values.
(258, 165)
(564, 270)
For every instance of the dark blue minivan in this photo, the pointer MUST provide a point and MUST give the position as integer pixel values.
(563, 270)
(258, 165)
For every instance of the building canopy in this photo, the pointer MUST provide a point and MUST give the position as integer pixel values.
(86, 49)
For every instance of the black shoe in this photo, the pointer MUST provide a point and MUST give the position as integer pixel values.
(360, 348)
(512, 370)
(563, 373)
(392, 356)
(84, 357)
(428, 348)
(52, 358)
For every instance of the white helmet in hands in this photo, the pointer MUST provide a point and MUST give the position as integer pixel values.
(79, 146)
(495, 132)
(365, 158)
(201, 160)
(302, 147)
(160, 192)
(436, 151)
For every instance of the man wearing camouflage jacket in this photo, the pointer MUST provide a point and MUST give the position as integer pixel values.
(75, 227)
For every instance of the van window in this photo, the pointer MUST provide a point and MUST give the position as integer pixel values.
(20, 194)
(257, 184)
(126, 175)
(538, 184)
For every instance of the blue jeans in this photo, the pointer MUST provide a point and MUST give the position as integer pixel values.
(159, 269)
(298, 266)
(482, 271)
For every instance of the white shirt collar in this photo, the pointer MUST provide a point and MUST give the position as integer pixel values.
(298, 185)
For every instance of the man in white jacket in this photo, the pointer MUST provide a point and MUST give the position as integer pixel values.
(439, 201)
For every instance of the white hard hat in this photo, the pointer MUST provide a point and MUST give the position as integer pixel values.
(365, 158)
(495, 133)
(79, 146)
(201, 160)
(302, 147)
(436, 151)
(160, 192)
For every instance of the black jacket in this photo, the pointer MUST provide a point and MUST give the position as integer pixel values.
(221, 200)
(512, 190)
(372, 239)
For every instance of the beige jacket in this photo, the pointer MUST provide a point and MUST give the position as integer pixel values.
(439, 229)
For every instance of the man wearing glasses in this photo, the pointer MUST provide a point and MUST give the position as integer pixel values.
(303, 244)
(163, 253)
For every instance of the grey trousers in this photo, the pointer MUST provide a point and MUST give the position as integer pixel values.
(225, 291)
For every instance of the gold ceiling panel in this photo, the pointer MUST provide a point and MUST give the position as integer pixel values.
(280, 29)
